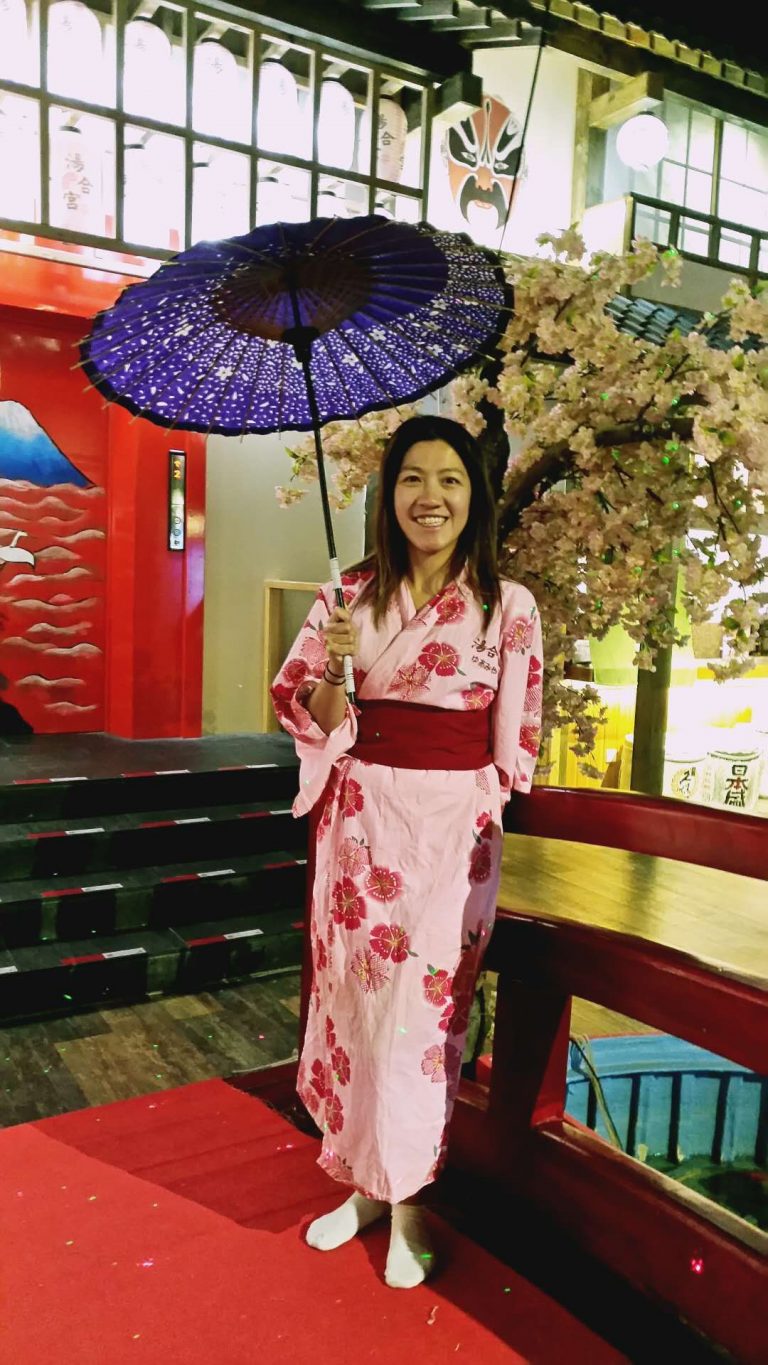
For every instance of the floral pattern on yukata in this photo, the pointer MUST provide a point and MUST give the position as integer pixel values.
(407, 869)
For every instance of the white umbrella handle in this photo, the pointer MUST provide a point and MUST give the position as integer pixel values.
(349, 675)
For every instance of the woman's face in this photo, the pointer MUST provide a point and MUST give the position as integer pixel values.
(432, 497)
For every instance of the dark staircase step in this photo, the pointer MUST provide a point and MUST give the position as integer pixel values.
(73, 797)
(146, 838)
(120, 900)
(106, 969)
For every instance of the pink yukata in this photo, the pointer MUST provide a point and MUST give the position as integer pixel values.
(407, 873)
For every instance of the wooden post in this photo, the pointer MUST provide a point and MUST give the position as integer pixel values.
(651, 705)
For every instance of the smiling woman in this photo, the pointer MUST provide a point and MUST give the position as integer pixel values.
(407, 790)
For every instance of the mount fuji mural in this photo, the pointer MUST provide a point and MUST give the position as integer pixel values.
(52, 550)
(27, 451)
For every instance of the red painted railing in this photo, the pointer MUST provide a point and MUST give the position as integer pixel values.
(673, 1244)
(644, 824)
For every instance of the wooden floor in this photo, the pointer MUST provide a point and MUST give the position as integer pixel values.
(52, 1066)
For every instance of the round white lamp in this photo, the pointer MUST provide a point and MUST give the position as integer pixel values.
(336, 125)
(642, 141)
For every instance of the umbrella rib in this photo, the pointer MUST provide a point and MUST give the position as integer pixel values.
(215, 360)
(402, 365)
(281, 388)
(331, 357)
(106, 376)
(348, 241)
(225, 392)
(366, 366)
(452, 369)
(146, 370)
(264, 352)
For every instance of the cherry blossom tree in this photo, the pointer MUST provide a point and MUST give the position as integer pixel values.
(625, 465)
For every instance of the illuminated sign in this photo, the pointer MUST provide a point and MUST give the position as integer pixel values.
(177, 499)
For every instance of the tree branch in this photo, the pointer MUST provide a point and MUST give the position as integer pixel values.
(557, 462)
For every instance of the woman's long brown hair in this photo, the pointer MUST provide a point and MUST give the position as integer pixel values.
(476, 547)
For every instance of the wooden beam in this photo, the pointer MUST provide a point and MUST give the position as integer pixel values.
(466, 21)
(706, 86)
(363, 34)
(636, 96)
(512, 32)
(584, 102)
(458, 97)
(431, 9)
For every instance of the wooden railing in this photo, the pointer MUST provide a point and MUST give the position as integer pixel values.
(671, 1243)
(674, 218)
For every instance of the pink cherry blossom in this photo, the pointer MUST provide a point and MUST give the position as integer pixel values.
(441, 658)
(390, 941)
(433, 1063)
(369, 971)
(383, 884)
(409, 681)
(437, 987)
(354, 857)
(348, 906)
(477, 697)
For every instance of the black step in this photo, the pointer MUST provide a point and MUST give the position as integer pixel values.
(57, 978)
(62, 908)
(145, 838)
(72, 797)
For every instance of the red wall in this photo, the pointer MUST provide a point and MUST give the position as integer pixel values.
(142, 676)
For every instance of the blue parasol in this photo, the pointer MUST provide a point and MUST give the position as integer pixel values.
(299, 324)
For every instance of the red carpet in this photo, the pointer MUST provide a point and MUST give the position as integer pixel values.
(168, 1231)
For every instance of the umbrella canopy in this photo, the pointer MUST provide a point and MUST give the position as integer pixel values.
(208, 343)
(296, 325)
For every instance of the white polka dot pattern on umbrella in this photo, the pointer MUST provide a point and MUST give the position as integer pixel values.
(397, 310)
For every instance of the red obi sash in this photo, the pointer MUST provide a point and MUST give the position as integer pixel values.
(401, 734)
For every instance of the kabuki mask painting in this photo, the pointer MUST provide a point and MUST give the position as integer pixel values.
(483, 153)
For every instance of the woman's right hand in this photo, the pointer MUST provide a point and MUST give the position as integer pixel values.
(341, 638)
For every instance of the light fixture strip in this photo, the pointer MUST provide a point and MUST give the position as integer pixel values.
(374, 88)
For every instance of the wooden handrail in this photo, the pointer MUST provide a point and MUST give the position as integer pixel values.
(660, 826)
(669, 1242)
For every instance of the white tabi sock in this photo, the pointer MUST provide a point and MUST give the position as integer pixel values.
(410, 1258)
(340, 1226)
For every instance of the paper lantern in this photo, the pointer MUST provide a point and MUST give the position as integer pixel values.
(154, 189)
(336, 125)
(75, 186)
(19, 159)
(282, 195)
(220, 206)
(74, 49)
(390, 140)
(15, 55)
(642, 141)
(278, 115)
(215, 89)
(147, 69)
